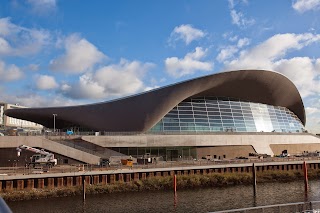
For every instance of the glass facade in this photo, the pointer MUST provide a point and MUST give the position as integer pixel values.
(219, 114)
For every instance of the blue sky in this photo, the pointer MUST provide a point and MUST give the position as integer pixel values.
(69, 52)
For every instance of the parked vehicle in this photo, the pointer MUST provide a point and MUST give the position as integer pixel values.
(41, 158)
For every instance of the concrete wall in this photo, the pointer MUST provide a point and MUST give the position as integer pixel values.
(221, 152)
(259, 141)
(41, 142)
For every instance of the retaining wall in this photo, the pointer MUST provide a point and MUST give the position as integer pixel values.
(58, 180)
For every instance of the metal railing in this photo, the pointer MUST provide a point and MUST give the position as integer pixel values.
(81, 148)
(287, 207)
(155, 133)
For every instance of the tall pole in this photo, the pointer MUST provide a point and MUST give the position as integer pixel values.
(54, 122)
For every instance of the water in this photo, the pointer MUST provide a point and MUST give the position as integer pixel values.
(199, 200)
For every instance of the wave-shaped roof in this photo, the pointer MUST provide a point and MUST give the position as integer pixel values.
(142, 111)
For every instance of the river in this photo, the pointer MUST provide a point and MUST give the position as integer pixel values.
(197, 200)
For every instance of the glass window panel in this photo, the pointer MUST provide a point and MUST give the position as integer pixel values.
(186, 120)
(226, 117)
(171, 124)
(241, 129)
(201, 120)
(170, 120)
(224, 106)
(186, 112)
(225, 110)
(186, 124)
(185, 104)
(215, 125)
(188, 129)
(214, 113)
(228, 125)
(227, 121)
(189, 108)
(239, 125)
(236, 107)
(200, 112)
(237, 114)
(200, 108)
(212, 104)
(215, 117)
(171, 128)
(201, 116)
(215, 121)
(236, 110)
(216, 129)
(185, 116)
(201, 124)
(171, 115)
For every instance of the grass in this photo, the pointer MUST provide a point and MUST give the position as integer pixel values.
(163, 183)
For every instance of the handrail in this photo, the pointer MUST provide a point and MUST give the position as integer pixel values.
(310, 203)
(70, 144)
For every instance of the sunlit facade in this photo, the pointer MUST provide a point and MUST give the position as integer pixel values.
(220, 114)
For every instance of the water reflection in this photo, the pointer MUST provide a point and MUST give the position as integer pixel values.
(199, 200)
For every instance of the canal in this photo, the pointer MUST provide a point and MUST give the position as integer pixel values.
(198, 200)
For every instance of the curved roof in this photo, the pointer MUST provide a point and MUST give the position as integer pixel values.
(141, 112)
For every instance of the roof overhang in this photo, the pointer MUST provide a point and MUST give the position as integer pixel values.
(142, 111)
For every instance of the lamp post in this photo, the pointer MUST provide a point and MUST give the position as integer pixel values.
(54, 122)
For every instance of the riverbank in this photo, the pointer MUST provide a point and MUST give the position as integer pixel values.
(162, 183)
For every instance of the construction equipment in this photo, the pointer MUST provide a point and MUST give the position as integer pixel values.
(41, 158)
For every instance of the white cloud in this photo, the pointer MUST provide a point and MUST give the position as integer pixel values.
(270, 55)
(189, 64)
(301, 71)
(229, 51)
(304, 5)
(80, 56)
(46, 82)
(239, 19)
(311, 110)
(20, 41)
(243, 42)
(42, 6)
(187, 33)
(9, 72)
(109, 81)
(33, 67)
(35, 100)
(264, 55)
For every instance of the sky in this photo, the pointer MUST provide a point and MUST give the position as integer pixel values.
(70, 52)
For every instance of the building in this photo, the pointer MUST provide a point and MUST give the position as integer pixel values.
(223, 115)
(7, 122)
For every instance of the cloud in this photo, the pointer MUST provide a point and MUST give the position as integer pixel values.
(189, 64)
(239, 19)
(33, 67)
(304, 5)
(264, 55)
(270, 55)
(42, 6)
(20, 41)
(35, 100)
(46, 82)
(9, 72)
(311, 110)
(80, 56)
(243, 42)
(109, 81)
(186, 33)
(229, 51)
